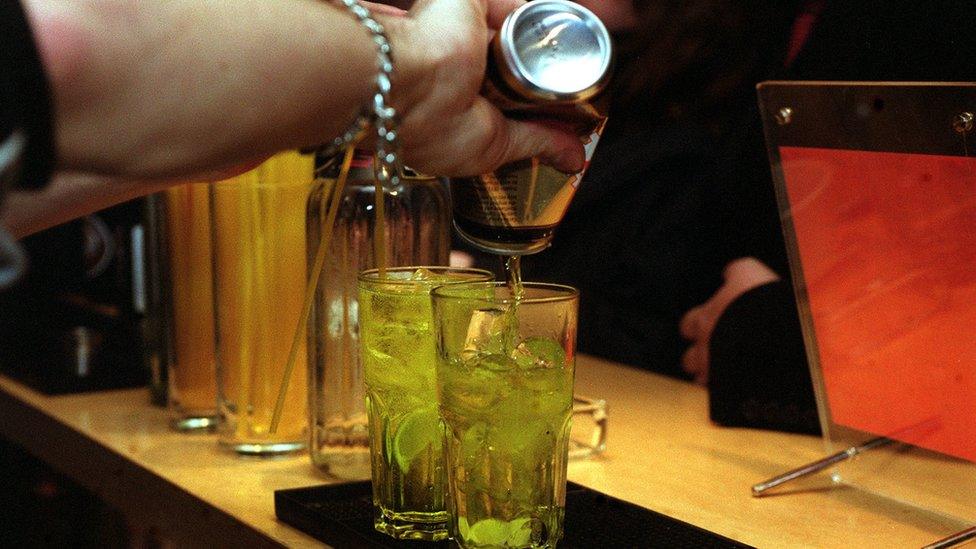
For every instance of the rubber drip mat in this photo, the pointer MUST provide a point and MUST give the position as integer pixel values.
(341, 515)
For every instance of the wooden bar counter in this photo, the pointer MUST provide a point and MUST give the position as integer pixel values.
(662, 454)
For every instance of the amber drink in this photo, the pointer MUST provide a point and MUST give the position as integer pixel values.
(188, 307)
(259, 247)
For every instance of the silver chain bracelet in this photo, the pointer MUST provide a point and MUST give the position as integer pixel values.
(379, 113)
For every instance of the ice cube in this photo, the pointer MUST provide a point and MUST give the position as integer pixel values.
(423, 275)
(383, 369)
(489, 331)
(474, 390)
(528, 438)
(539, 352)
(381, 307)
(474, 457)
(474, 441)
(495, 363)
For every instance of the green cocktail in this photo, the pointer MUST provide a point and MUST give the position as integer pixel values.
(406, 440)
(505, 383)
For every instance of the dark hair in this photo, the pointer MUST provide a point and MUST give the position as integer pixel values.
(698, 58)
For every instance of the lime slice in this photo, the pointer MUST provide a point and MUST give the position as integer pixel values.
(418, 431)
(495, 363)
(497, 533)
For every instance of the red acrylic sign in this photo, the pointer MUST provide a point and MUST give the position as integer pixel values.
(887, 243)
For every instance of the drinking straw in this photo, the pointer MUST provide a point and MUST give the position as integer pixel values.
(533, 180)
(313, 281)
(379, 228)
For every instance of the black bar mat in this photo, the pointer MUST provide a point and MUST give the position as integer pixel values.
(341, 515)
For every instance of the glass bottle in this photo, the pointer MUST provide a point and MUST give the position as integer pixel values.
(417, 232)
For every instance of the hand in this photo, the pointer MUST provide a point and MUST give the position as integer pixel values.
(741, 275)
(446, 127)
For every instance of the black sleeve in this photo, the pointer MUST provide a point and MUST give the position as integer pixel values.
(758, 373)
(25, 100)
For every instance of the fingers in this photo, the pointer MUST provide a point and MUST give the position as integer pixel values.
(498, 10)
(746, 273)
(450, 10)
(491, 13)
(690, 324)
(481, 138)
(694, 361)
(560, 149)
(698, 323)
(384, 9)
(446, 127)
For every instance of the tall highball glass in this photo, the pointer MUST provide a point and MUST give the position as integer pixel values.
(396, 337)
(505, 368)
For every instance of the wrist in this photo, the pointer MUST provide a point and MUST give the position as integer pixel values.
(376, 111)
(410, 68)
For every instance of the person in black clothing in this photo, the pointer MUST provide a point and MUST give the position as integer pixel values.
(675, 230)
(643, 238)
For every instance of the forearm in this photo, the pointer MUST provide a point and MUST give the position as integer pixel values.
(68, 196)
(127, 95)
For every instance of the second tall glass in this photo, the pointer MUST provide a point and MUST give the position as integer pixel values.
(416, 228)
(406, 441)
(188, 304)
(259, 248)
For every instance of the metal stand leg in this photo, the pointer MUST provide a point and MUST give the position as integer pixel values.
(955, 539)
(819, 465)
